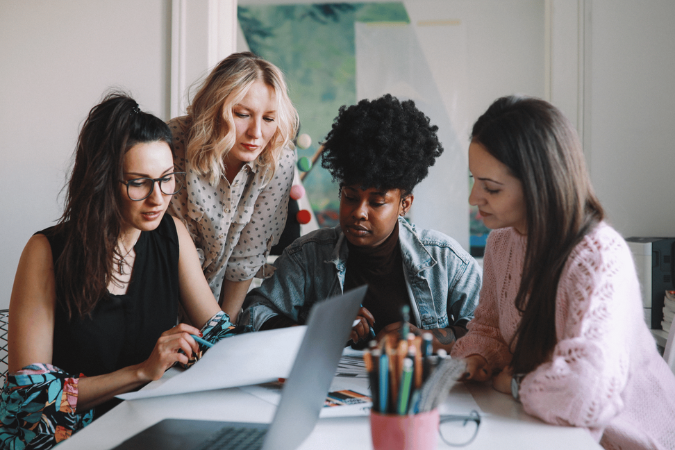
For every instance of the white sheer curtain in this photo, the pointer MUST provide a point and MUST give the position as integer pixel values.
(425, 61)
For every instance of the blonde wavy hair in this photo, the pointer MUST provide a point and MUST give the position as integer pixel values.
(212, 131)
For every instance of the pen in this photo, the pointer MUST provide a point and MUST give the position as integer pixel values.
(202, 341)
(370, 331)
(405, 329)
(416, 377)
(394, 371)
(384, 382)
(368, 358)
(427, 350)
(414, 402)
(417, 360)
(401, 352)
(406, 381)
(427, 347)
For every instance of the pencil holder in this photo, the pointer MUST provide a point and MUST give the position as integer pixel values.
(410, 432)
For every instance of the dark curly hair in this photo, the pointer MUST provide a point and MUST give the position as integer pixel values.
(382, 143)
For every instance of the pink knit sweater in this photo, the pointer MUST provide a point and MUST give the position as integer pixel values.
(605, 373)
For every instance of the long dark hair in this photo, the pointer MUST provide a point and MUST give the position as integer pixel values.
(92, 217)
(541, 148)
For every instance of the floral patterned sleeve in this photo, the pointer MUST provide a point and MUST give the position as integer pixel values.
(219, 327)
(216, 329)
(38, 408)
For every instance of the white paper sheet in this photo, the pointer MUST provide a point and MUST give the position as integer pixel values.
(351, 367)
(250, 358)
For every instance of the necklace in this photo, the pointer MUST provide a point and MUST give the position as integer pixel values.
(121, 262)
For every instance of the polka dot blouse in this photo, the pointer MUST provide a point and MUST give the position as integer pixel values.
(233, 225)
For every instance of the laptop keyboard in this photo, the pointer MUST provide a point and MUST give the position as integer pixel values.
(235, 438)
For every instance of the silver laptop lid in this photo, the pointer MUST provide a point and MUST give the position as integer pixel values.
(304, 392)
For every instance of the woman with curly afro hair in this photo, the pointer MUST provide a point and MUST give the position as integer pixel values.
(378, 151)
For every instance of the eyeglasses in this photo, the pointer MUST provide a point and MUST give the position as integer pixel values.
(459, 431)
(141, 188)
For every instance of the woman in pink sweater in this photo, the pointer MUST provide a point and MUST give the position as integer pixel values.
(560, 323)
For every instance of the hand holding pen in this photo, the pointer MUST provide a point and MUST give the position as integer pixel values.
(173, 346)
(363, 329)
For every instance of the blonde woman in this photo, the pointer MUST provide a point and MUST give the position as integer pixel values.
(235, 147)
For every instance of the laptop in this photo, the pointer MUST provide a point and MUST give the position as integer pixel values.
(302, 397)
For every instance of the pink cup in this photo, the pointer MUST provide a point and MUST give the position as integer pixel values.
(393, 432)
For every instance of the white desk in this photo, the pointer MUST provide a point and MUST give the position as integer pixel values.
(505, 427)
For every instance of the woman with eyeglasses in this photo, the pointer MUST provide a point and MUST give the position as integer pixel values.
(235, 146)
(95, 298)
(560, 323)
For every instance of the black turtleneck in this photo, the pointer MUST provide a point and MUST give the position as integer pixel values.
(381, 268)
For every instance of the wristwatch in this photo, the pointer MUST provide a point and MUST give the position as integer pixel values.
(515, 385)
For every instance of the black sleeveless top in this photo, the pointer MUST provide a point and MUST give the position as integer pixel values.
(123, 329)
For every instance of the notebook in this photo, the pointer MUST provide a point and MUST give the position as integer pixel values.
(302, 397)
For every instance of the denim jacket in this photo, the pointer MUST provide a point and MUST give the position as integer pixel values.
(443, 280)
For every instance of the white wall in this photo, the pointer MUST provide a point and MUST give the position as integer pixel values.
(630, 114)
(203, 32)
(56, 60)
(610, 66)
(500, 48)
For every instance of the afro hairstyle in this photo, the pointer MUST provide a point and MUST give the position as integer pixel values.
(382, 143)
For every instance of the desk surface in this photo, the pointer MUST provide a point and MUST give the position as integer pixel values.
(505, 425)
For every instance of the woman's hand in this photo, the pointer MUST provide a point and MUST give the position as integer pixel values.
(166, 352)
(362, 329)
(477, 369)
(502, 381)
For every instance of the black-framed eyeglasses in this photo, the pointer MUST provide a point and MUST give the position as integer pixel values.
(141, 188)
(457, 430)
